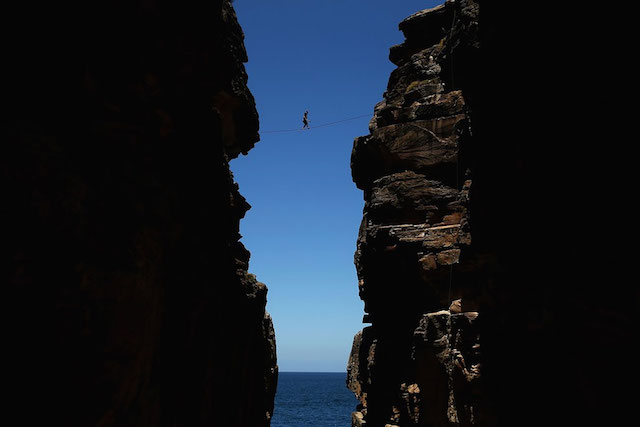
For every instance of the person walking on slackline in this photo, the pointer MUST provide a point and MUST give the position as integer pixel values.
(305, 120)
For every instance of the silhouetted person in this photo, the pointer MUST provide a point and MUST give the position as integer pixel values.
(305, 120)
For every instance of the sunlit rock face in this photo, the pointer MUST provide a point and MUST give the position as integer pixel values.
(490, 256)
(125, 287)
(419, 363)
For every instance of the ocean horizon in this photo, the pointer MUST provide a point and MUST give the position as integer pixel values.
(313, 399)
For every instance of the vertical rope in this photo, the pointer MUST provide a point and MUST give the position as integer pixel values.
(451, 411)
(450, 280)
(453, 22)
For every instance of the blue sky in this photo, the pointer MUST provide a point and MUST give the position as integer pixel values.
(330, 57)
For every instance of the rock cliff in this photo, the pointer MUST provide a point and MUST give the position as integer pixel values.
(484, 212)
(127, 300)
(419, 361)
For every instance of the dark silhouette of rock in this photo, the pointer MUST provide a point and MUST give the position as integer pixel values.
(127, 297)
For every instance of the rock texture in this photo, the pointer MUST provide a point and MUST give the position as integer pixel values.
(418, 363)
(490, 256)
(127, 300)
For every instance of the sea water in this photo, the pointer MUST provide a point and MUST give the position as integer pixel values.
(310, 399)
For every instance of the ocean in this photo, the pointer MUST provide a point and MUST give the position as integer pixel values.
(313, 399)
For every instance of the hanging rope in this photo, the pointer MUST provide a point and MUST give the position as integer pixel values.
(450, 41)
(315, 127)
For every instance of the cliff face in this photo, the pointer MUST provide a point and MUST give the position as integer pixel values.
(419, 361)
(127, 296)
(491, 277)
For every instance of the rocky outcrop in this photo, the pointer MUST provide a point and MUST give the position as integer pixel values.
(490, 255)
(127, 296)
(419, 363)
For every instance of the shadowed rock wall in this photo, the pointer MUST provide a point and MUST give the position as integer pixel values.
(490, 255)
(125, 288)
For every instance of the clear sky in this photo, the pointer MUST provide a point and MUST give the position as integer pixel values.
(330, 57)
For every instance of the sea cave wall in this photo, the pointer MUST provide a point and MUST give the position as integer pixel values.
(126, 294)
(493, 284)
